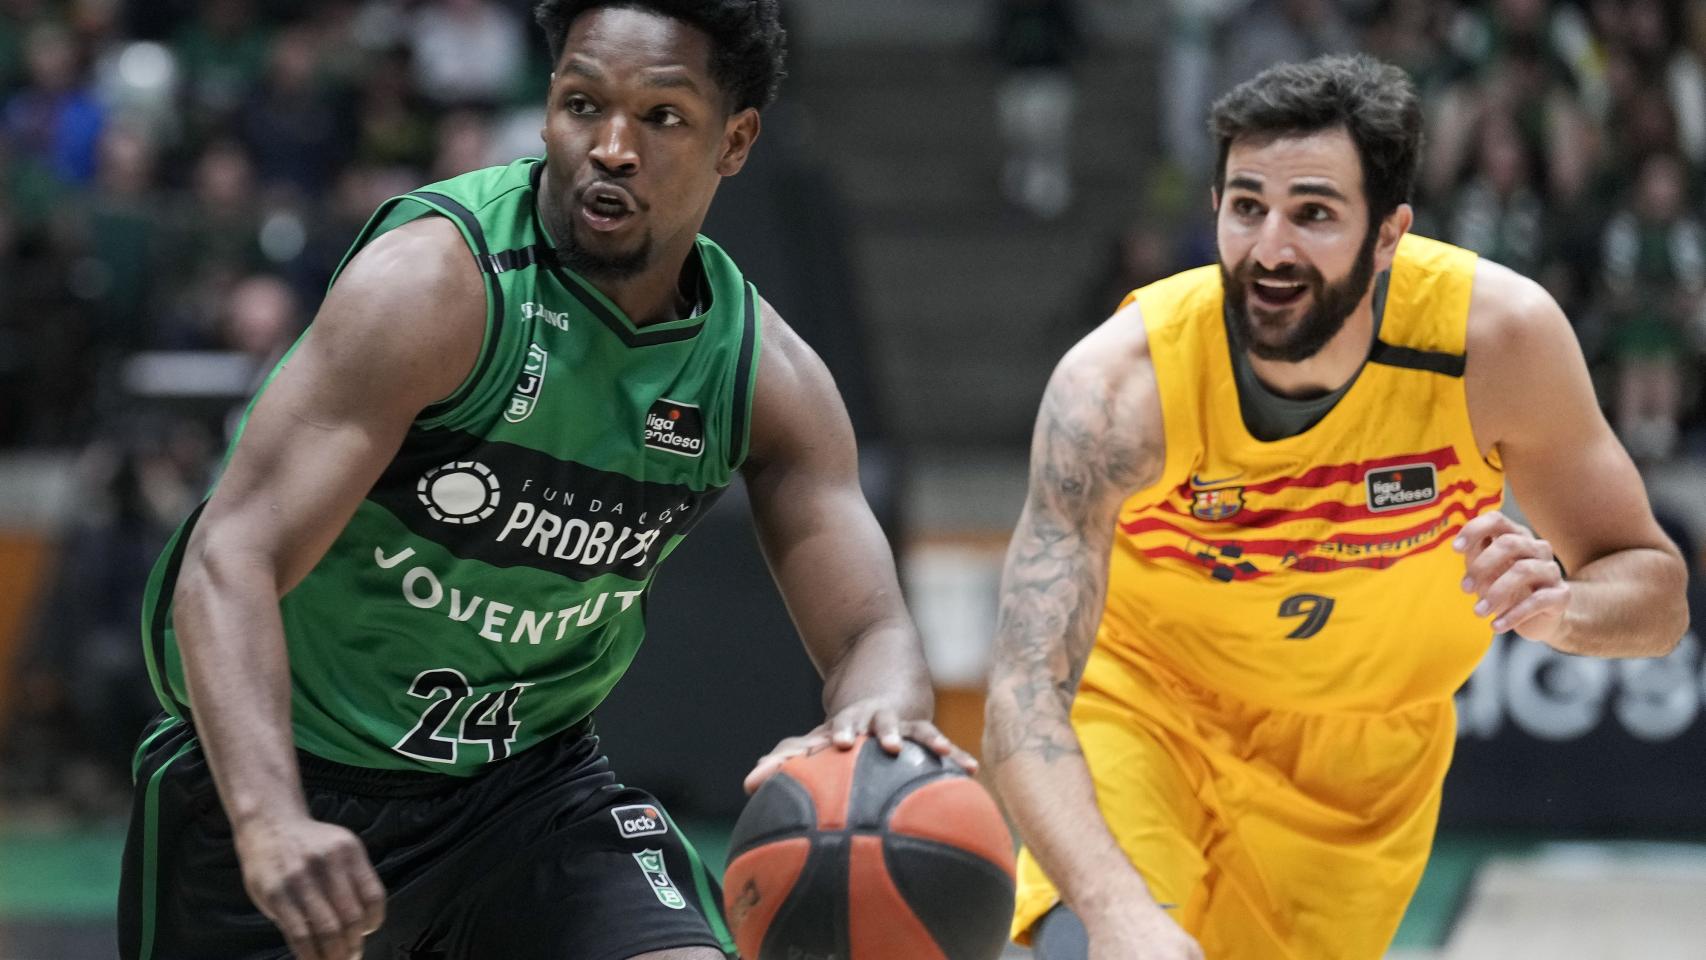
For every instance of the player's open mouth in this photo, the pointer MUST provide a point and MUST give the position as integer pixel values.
(1277, 293)
(605, 207)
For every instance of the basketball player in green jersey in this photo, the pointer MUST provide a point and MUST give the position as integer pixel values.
(380, 640)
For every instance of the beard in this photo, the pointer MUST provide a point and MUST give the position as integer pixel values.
(1265, 332)
(575, 254)
(601, 265)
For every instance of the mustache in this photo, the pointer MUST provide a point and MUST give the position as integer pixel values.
(640, 205)
(1286, 273)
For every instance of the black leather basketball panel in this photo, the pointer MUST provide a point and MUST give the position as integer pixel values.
(813, 921)
(782, 807)
(880, 780)
(965, 902)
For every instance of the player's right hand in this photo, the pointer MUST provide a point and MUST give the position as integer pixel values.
(314, 881)
(1140, 933)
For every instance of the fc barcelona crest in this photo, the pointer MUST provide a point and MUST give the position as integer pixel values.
(1217, 504)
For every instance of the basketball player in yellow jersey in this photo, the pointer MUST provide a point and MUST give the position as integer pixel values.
(1274, 488)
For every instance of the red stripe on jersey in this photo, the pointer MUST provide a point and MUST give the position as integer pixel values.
(1347, 472)
(1279, 548)
(1332, 510)
(1303, 565)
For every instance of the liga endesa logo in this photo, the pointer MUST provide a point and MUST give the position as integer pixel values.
(639, 820)
(675, 427)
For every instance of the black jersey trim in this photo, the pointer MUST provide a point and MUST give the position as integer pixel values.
(641, 338)
(577, 287)
(520, 258)
(743, 380)
(163, 606)
(482, 251)
(1433, 361)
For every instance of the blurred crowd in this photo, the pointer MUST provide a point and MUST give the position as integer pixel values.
(186, 174)
(1565, 139)
(179, 179)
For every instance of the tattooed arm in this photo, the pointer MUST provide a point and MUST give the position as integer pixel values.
(1098, 438)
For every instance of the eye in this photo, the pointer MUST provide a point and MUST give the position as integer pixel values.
(579, 105)
(1314, 213)
(1246, 207)
(667, 117)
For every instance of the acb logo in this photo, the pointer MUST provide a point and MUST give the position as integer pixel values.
(639, 820)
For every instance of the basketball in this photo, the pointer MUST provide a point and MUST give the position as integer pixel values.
(862, 855)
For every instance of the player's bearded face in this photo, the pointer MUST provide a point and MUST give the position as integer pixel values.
(1297, 332)
(597, 255)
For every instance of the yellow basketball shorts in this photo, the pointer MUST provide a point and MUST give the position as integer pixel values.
(1270, 835)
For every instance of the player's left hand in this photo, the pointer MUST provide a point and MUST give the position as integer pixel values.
(843, 730)
(1513, 571)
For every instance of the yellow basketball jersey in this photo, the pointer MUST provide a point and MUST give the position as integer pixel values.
(1312, 573)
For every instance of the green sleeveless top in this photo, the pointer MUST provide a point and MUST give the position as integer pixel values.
(491, 588)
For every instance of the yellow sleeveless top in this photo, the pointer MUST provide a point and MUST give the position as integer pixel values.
(1312, 573)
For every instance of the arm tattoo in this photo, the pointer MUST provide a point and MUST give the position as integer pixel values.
(1087, 455)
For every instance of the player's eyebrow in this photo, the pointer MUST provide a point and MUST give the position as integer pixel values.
(1316, 189)
(1244, 181)
(581, 68)
(671, 79)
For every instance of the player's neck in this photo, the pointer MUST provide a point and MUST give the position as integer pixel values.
(1331, 367)
(655, 294)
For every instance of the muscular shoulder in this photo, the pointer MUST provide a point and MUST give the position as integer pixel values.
(794, 387)
(1519, 345)
(1508, 311)
(1113, 357)
(1102, 402)
(410, 305)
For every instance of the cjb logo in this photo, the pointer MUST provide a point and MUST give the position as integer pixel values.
(639, 820)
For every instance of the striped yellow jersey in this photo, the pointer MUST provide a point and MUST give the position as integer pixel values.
(1312, 573)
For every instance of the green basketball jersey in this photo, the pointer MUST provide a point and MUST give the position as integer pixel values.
(491, 588)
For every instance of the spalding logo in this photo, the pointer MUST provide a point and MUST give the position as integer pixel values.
(639, 820)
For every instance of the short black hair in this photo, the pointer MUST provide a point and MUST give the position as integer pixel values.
(748, 44)
(1374, 102)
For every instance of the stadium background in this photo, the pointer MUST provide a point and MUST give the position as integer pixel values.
(948, 194)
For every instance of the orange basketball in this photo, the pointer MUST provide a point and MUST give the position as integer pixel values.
(860, 855)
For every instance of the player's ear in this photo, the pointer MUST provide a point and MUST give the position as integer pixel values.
(740, 131)
(1392, 229)
(1214, 199)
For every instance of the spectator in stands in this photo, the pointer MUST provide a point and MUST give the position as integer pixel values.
(222, 54)
(1655, 277)
(1525, 89)
(262, 319)
(391, 127)
(463, 139)
(55, 121)
(17, 19)
(118, 232)
(467, 52)
(1498, 213)
(88, 688)
(294, 133)
(1280, 31)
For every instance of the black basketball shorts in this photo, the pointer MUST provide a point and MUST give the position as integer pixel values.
(542, 856)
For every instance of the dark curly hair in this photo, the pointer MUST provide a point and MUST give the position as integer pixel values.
(1375, 102)
(748, 42)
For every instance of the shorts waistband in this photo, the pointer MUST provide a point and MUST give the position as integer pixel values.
(319, 772)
